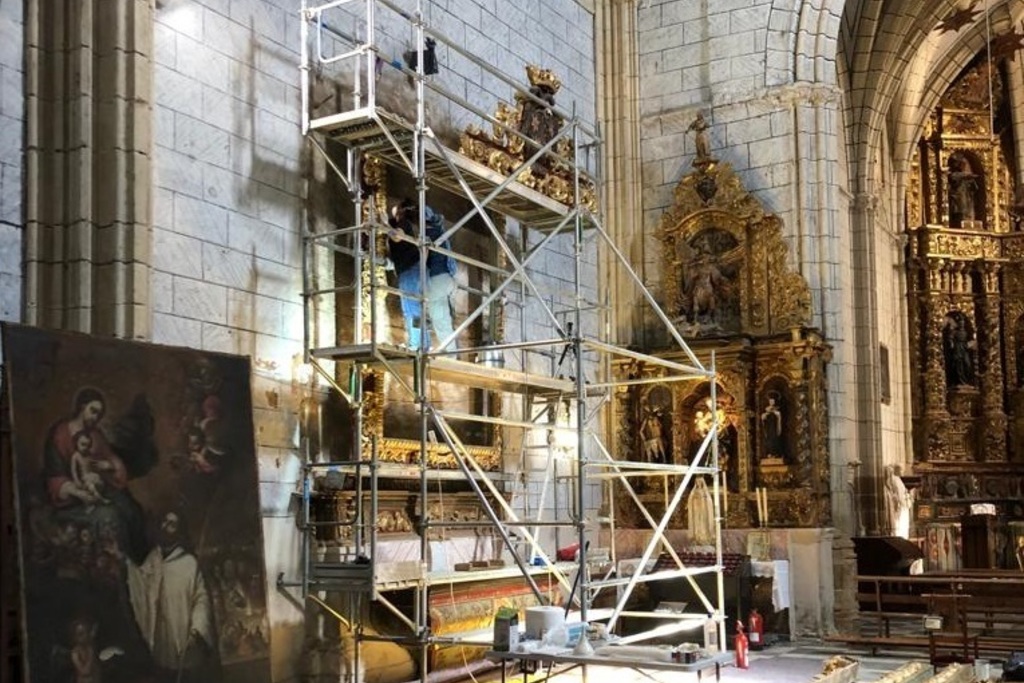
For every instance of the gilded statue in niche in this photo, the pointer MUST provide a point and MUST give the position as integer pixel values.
(697, 414)
(656, 426)
(704, 416)
(653, 432)
(709, 266)
(958, 349)
(773, 428)
(963, 190)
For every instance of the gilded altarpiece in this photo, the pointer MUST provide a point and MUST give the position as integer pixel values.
(965, 280)
(729, 289)
(389, 415)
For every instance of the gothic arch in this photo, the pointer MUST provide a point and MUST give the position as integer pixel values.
(802, 41)
(951, 64)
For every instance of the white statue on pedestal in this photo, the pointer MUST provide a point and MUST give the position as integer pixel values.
(700, 513)
(898, 502)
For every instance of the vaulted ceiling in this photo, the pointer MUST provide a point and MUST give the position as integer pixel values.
(895, 60)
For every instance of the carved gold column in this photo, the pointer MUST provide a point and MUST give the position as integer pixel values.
(374, 178)
(496, 331)
(1013, 311)
(963, 401)
(933, 307)
(374, 302)
(813, 462)
(992, 441)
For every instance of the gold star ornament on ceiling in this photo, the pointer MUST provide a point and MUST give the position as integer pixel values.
(959, 18)
(1006, 45)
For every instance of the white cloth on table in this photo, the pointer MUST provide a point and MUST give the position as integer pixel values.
(778, 571)
(780, 585)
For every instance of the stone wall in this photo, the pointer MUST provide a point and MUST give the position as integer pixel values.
(232, 176)
(893, 331)
(12, 117)
(227, 204)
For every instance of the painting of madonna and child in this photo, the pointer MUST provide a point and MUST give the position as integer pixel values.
(138, 512)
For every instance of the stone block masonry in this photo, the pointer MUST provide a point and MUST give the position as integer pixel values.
(231, 180)
(12, 132)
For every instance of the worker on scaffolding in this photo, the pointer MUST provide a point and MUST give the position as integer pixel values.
(405, 256)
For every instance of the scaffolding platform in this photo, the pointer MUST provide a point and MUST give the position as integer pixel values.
(447, 370)
(348, 576)
(391, 137)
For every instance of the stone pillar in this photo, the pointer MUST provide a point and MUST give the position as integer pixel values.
(812, 582)
(618, 112)
(88, 84)
(865, 328)
(844, 561)
(622, 191)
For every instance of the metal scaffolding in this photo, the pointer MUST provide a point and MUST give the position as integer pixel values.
(347, 40)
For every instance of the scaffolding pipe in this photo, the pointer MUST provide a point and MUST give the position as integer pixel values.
(388, 130)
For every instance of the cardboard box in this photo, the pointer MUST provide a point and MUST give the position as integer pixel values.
(506, 629)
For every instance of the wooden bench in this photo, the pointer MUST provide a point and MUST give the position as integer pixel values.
(877, 642)
(1001, 644)
(954, 644)
(989, 616)
(951, 648)
(885, 617)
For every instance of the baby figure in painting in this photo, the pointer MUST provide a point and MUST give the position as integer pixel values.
(81, 467)
(198, 452)
(84, 658)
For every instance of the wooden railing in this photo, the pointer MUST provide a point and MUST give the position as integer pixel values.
(979, 611)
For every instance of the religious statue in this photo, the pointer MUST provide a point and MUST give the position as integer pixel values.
(708, 265)
(771, 428)
(703, 280)
(1019, 552)
(653, 434)
(700, 139)
(1016, 209)
(963, 185)
(898, 502)
(539, 122)
(704, 418)
(703, 421)
(958, 351)
(700, 513)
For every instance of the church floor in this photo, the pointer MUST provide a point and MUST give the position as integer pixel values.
(796, 662)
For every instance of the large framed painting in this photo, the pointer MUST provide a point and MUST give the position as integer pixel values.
(139, 532)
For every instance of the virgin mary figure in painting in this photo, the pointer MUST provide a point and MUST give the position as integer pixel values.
(107, 500)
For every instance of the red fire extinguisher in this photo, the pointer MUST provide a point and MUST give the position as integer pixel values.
(740, 645)
(755, 625)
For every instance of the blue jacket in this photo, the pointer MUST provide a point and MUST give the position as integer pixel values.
(405, 255)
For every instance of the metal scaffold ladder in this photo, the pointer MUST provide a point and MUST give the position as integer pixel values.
(565, 328)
